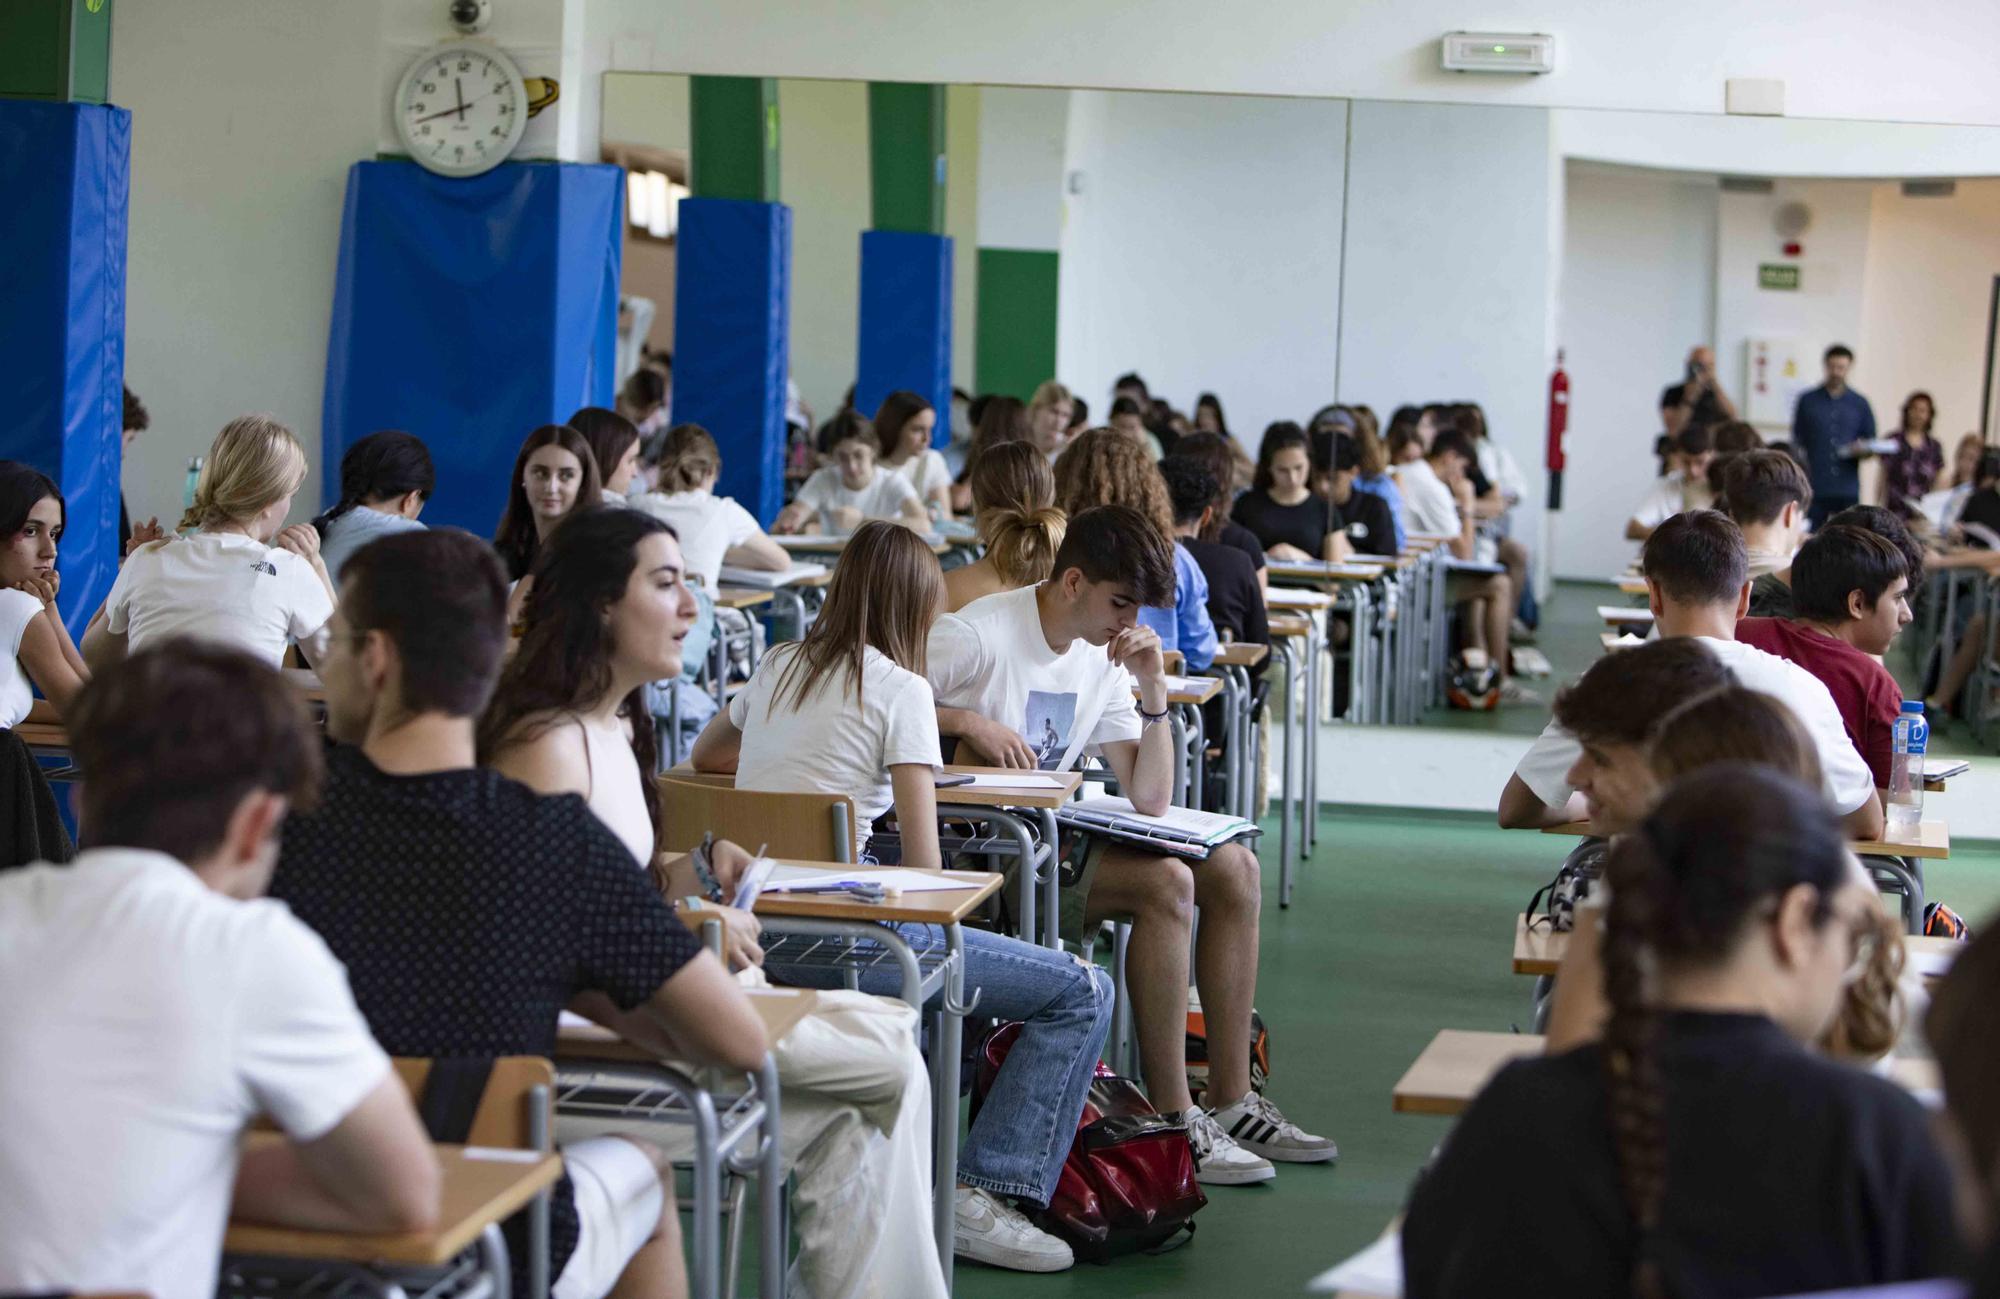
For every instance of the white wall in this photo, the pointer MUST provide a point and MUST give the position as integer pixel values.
(1449, 270)
(1638, 289)
(1204, 250)
(1776, 146)
(1925, 60)
(823, 176)
(245, 118)
(1925, 299)
(1022, 135)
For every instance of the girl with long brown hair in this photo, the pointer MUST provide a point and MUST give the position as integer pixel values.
(1703, 1148)
(555, 474)
(1014, 504)
(1105, 467)
(1001, 420)
(903, 426)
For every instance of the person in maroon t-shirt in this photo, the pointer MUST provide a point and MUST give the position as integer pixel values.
(1850, 596)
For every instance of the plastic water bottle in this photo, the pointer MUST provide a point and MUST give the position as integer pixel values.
(193, 481)
(1906, 767)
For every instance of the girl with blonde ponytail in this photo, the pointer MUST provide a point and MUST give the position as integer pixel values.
(240, 576)
(1014, 509)
(1702, 1148)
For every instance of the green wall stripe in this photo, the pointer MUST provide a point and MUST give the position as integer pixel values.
(906, 147)
(1016, 347)
(55, 49)
(733, 145)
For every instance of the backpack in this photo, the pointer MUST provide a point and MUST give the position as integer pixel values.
(1197, 1049)
(1128, 1182)
(1571, 886)
(1940, 921)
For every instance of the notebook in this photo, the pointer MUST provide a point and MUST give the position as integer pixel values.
(766, 579)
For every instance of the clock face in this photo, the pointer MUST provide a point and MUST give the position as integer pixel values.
(461, 108)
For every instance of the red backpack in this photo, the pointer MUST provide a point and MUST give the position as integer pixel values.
(1128, 1183)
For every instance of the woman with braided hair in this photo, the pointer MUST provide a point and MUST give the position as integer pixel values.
(1702, 1148)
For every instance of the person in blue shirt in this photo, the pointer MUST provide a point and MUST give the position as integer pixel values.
(1831, 425)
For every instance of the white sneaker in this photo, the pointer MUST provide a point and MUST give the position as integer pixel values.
(1218, 1159)
(1256, 1125)
(990, 1230)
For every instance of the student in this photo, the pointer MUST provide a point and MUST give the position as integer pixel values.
(845, 494)
(156, 1006)
(525, 905)
(1960, 1026)
(1371, 475)
(1734, 920)
(1438, 496)
(1066, 654)
(38, 651)
(136, 421)
(1014, 509)
(1288, 518)
(1767, 495)
(1696, 586)
(1849, 599)
(1208, 417)
(998, 420)
(1235, 596)
(239, 579)
(903, 426)
(713, 530)
(643, 400)
(385, 480)
(614, 444)
(555, 475)
(1103, 467)
(1219, 455)
(569, 717)
(1366, 519)
(1684, 486)
(1128, 418)
(848, 711)
(1049, 411)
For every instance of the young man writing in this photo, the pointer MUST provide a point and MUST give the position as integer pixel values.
(1685, 486)
(155, 1006)
(1070, 650)
(1850, 597)
(470, 911)
(1438, 499)
(1697, 585)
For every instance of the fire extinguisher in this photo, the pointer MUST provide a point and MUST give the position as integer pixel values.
(1558, 426)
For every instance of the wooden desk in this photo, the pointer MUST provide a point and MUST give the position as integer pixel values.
(930, 908)
(44, 729)
(820, 543)
(1931, 840)
(1457, 1065)
(1189, 692)
(1174, 661)
(1631, 585)
(1539, 950)
(477, 1192)
(1613, 641)
(1290, 624)
(1242, 654)
(1619, 616)
(964, 796)
(780, 1009)
(1278, 597)
(742, 597)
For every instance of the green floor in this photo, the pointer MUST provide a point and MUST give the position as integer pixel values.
(1401, 925)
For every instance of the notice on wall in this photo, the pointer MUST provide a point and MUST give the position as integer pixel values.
(1776, 275)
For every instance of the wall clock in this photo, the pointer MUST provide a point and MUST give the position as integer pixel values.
(461, 108)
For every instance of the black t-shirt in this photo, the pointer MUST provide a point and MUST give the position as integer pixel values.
(1235, 600)
(1235, 534)
(1304, 525)
(1982, 508)
(469, 910)
(1770, 597)
(1366, 519)
(1786, 1173)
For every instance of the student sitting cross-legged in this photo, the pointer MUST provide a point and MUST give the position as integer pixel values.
(607, 615)
(1703, 1147)
(1850, 596)
(155, 1006)
(848, 711)
(470, 910)
(1698, 586)
(1057, 662)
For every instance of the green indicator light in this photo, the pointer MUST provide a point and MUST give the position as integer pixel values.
(1499, 49)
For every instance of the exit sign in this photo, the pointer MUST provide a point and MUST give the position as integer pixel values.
(1773, 275)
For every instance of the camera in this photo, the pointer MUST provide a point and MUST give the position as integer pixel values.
(471, 16)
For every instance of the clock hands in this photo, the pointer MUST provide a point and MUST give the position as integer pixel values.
(458, 85)
(460, 109)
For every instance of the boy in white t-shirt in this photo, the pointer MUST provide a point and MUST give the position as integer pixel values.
(713, 530)
(1698, 584)
(842, 496)
(155, 1005)
(1058, 662)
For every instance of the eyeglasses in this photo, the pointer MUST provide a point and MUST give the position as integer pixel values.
(320, 643)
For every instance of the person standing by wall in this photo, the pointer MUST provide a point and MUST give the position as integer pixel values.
(1708, 405)
(1830, 425)
(1912, 470)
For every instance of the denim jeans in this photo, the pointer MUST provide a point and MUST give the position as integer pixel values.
(1022, 1135)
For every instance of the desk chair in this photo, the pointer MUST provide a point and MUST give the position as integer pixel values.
(512, 1108)
(809, 827)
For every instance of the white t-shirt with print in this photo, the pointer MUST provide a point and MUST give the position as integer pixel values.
(992, 658)
(147, 1020)
(1427, 502)
(830, 744)
(219, 586)
(17, 695)
(883, 498)
(1545, 769)
(926, 472)
(709, 525)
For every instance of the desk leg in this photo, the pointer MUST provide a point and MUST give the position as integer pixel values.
(773, 1230)
(492, 1249)
(705, 1279)
(538, 1208)
(947, 1041)
(1180, 733)
(794, 606)
(1284, 646)
(1052, 883)
(1309, 791)
(718, 664)
(1197, 756)
(1905, 874)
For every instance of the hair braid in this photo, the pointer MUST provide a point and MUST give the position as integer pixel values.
(1631, 1052)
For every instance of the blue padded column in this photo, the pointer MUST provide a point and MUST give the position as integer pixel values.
(468, 312)
(63, 169)
(732, 330)
(905, 321)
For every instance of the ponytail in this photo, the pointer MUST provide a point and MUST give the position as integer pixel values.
(1023, 544)
(381, 465)
(1631, 1051)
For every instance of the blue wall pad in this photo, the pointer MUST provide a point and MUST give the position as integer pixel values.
(732, 330)
(468, 312)
(905, 321)
(63, 169)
